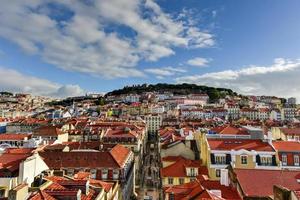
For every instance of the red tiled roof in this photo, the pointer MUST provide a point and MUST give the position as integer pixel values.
(14, 136)
(201, 190)
(230, 130)
(227, 192)
(82, 175)
(96, 183)
(55, 178)
(290, 146)
(238, 144)
(62, 187)
(105, 185)
(115, 158)
(260, 183)
(291, 131)
(55, 186)
(41, 195)
(206, 195)
(171, 158)
(11, 161)
(181, 191)
(47, 131)
(178, 169)
(120, 154)
(19, 150)
(121, 132)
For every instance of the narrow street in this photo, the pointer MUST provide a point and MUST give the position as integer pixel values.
(150, 177)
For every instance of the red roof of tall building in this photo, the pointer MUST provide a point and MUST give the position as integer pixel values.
(288, 146)
(178, 169)
(291, 131)
(115, 158)
(238, 144)
(41, 195)
(14, 136)
(230, 130)
(259, 182)
(202, 190)
(47, 131)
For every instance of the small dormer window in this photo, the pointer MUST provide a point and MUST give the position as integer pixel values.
(104, 173)
(115, 174)
(296, 160)
(284, 159)
(244, 159)
(93, 173)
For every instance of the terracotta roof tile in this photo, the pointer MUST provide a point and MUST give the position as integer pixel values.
(120, 154)
(264, 181)
(178, 169)
(291, 131)
(289, 146)
(47, 131)
(237, 144)
(14, 136)
(41, 195)
(115, 158)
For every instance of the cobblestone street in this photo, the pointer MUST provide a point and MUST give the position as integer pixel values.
(150, 177)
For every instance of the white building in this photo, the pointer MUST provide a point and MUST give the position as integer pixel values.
(153, 122)
(275, 114)
(288, 113)
(132, 98)
(20, 168)
(157, 109)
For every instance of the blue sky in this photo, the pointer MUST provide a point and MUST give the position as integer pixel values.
(67, 48)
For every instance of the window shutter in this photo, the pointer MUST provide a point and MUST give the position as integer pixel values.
(99, 174)
(228, 159)
(212, 158)
(258, 159)
(273, 160)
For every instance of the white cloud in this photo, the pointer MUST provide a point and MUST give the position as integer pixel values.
(198, 61)
(279, 79)
(14, 81)
(214, 13)
(81, 40)
(162, 72)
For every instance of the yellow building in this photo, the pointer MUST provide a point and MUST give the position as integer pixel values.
(178, 170)
(286, 134)
(218, 153)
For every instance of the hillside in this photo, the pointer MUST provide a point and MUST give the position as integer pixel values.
(177, 89)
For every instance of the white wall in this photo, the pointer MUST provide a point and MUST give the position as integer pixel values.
(30, 168)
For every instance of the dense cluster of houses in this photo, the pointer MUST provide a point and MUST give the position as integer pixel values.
(234, 148)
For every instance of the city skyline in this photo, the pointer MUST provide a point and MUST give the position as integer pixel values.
(63, 49)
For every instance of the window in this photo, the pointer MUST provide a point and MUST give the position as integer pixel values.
(296, 138)
(192, 172)
(289, 137)
(70, 172)
(244, 160)
(104, 173)
(266, 160)
(170, 181)
(284, 159)
(93, 173)
(115, 174)
(171, 196)
(181, 181)
(296, 160)
(218, 172)
(221, 160)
